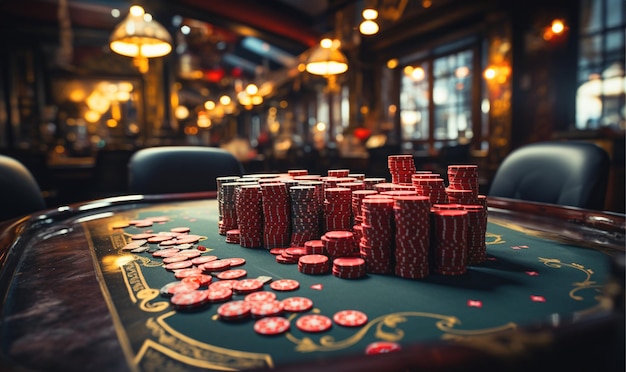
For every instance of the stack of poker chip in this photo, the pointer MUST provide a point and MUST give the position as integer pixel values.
(304, 215)
(337, 209)
(477, 226)
(219, 181)
(338, 172)
(315, 246)
(228, 207)
(276, 214)
(401, 167)
(339, 244)
(376, 246)
(433, 187)
(412, 219)
(463, 177)
(370, 182)
(233, 236)
(449, 241)
(357, 198)
(349, 267)
(297, 172)
(250, 216)
(313, 264)
(357, 176)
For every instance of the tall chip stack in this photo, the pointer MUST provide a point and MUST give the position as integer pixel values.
(228, 206)
(412, 219)
(304, 215)
(250, 216)
(337, 209)
(277, 215)
(401, 167)
(376, 246)
(449, 241)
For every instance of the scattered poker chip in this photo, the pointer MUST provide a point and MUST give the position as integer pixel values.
(141, 236)
(314, 323)
(158, 239)
(350, 318)
(219, 294)
(202, 279)
(216, 265)
(165, 252)
(180, 229)
(382, 347)
(175, 258)
(134, 244)
(203, 259)
(234, 310)
(189, 254)
(141, 249)
(232, 274)
(178, 287)
(120, 225)
(260, 309)
(260, 296)
(285, 285)
(297, 304)
(189, 300)
(236, 261)
(271, 325)
(277, 251)
(247, 285)
(222, 284)
(178, 265)
(183, 273)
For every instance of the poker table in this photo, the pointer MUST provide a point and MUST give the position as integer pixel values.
(549, 295)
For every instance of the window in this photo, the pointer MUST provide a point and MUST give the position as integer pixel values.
(601, 79)
(436, 100)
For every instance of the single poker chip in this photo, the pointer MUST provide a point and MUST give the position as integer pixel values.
(175, 258)
(277, 251)
(162, 253)
(203, 259)
(271, 325)
(134, 244)
(314, 323)
(260, 309)
(260, 296)
(189, 300)
(189, 254)
(350, 318)
(178, 265)
(183, 273)
(232, 274)
(247, 285)
(297, 304)
(382, 347)
(178, 287)
(202, 279)
(285, 285)
(158, 239)
(236, 261)
(219, 294)
(180, 229)
(234, 310)
(222, 284)
(141, 236)
(217, 265)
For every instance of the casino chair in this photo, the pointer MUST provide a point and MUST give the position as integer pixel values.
(180, 169)
(19, 191)
(569, 173)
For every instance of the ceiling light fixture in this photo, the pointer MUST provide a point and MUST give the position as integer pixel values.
(140, 37)
(326, 59)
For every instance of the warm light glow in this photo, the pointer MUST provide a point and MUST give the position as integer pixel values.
(181, 112)
(462, 72)
(252, 89)
(283, 104)
(326, 43)
(111, 123)
(370, 14)
(257, 100)
(368, 27)
(320, 126)
(225, 100)
(327, 59)
(558, 26)
(418, 74)
(489, 73)
(209, 105)
(92, 116)
(392, 63)
(203, 120)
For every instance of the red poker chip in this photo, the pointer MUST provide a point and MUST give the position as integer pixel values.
(174, 287)
(202, 279)
(219, 294)
(260, 296)
(285, 260)
(232, 274)
(162, 253)
(247, 285)
(178, 265)
(180, 229)
(271, 326)
(285, 285)
(277, 251)
(158, 238)
(222, 284)
(234, 310)
(382, 347)
(236, 261)
(175, 258)
(202, 260)
(314, 323)
(297, 304)
(189, 300)
(217, 265)
(183, 273)
(260, 309)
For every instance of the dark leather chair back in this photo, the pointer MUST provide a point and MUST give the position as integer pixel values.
(19, 192)
(567, 173)
(180, 169)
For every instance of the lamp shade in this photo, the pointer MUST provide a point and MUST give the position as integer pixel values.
(139, 36)
(326, 61)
